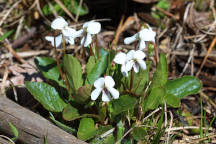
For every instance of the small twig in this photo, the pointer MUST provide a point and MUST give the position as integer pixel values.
(65, 10)
(124, 135)
(13, 52)
(167, 13)
(78, 12)
(189, 60)
(206, 57)
(9, 11)
(184, 128)
(158, 109)
(107, 133)
(207, 99)
(24, 38)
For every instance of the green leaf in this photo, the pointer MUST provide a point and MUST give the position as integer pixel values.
(46, 95)
(161, 75)
(70, 113)
(83, 94)
(139, 133)
(124, 103)
(73, 72)
(98, 69)
(172, 101)
(5, 35)
(140, 80)
(74, 7)
(154, 99)
(86, 129)
(90, 64)
(49, 69)
(184, 86)
(110, 139)
(14, 130)
(120, 131)
(164, 4)
(61, 125)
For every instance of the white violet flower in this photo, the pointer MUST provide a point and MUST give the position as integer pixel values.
(106, 86)
(135, 60)
(121, 58)
(144, 35)
(67, 32)
(89, 28)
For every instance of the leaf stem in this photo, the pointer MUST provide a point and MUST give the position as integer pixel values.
(131, 81)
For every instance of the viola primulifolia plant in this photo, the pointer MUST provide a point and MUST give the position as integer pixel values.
(115, 92)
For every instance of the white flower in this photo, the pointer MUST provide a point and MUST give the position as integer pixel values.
(144, 35)
(135, 60)
(106, 86)
(68, 33)
(121, 58)
(89, 28)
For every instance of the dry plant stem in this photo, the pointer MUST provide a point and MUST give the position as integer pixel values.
(156, 53)
(65, 10)
(185, 127)
(97, 48)
(207, 99)
(167, 13)
(205, 138)
(8, 12)
(13, 52)
(79, 8)
(59, 67)
(206, 57)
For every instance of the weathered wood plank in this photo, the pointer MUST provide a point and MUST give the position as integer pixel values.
(32, 127)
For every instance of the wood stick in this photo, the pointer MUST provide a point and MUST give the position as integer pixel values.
(32, 127)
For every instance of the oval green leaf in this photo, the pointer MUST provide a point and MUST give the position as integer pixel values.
(161, 74)
(46, 95)
(86, 129)
(183, 86)
(49, 69)
(70, 113)
(73, 72)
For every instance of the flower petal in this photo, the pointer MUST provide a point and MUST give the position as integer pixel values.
(120, 58)
(109, 82)
(69, 40)
(99, 83)
(51, 39)
(142, 64)
(129, 65)
(136, 67)
(95, 93)
(78, 33)
(124, 70)
(147, 35)
(86, 40)
(139, 55)
(114, 92)
(68, 31)
(59, 23)
(130, 55)
(141, 45)
(93, 27)
(105, 97)
(131, 39)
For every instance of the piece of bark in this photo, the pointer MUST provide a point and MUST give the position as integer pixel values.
(4, 141)
(32, 127)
